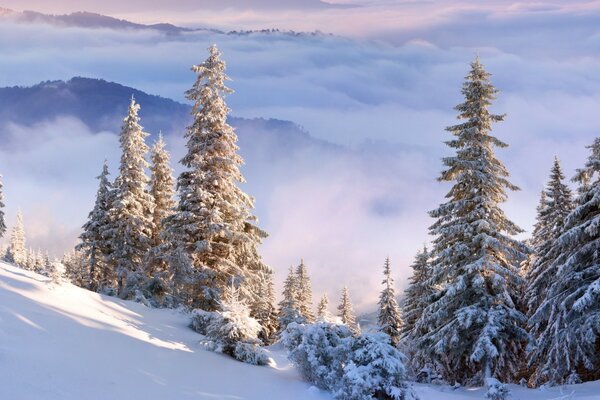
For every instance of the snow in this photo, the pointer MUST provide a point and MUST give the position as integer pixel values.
(63, 342)
(58, 341)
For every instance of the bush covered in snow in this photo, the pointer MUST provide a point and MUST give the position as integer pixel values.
(317, 351)
(496, 390)
(374, 370)
(353, 368)
(232, 330)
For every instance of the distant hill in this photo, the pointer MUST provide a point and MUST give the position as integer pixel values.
(101, 105)
(93, 20)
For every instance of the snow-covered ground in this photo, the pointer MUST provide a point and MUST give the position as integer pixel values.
(63, 342)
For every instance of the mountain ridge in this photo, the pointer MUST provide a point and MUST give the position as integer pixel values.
(91, 20)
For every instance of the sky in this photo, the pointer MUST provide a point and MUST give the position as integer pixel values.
(382, 88)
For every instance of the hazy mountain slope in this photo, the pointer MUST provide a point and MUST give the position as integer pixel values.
(101, 106)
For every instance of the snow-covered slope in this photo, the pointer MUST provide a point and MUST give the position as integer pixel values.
(58, 341)
(62, 342)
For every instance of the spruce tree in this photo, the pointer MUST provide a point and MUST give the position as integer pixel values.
(16, 252)
(566, 323)
(94, 244)
(346, 312)
(162, 190)
(474, 329)
(418, 294)
(264, 310)
(389, 319)
(2, 222)
(76, 268)
(213, 223)
(555, 205)
(288, 306)
(323, 314)
(304, 293)
(131, 214)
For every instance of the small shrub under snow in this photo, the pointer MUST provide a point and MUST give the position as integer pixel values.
(232, 331)
(366, 367)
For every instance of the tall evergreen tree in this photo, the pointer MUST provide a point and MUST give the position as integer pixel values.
(94, 244)
(474, 330)
(131, 214)
(419, 292)
(162, 190)
(213, 223)
(288, 306)
(566, 323)
(389, 319)
(346, 312)
(304, 292)
(2, 222)
(555, 205)
(17, 252)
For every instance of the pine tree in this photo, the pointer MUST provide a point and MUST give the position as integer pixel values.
(131, 214)
(389, 319)
(304, 293)
(30, 260)
(94, 244)
(16, 252)
(213, 223)
(288, 306)
(2, 222)
(76, 268)
(162, 191)
(418, 294)
(346, 312)
(474, 329)
(566, 323)
(264, 310)
(323, 314)
(555, 205)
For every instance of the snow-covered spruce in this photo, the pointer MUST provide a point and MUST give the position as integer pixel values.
(323, 314)
(131, 226)
(231, 330)
(304, 293)
(288, 306)
(76, 268)
(2, 221)
(568, 338)
(474, 326)
(366, 367)
(346, 312)
(94, 244)
(212, 227)
(555, 205)
(16, 252)
(419, 292)
(162, 191)
(264, 310)
(389, 319)
(418, 295)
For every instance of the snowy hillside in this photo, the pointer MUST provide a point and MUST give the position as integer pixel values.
(61, 342)
(58, 341)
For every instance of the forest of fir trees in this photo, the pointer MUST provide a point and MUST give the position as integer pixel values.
(481, 307)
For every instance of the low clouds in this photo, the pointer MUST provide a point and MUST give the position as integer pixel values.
(48, 173)
(380, 108)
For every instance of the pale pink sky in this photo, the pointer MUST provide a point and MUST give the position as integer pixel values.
(365, 18)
